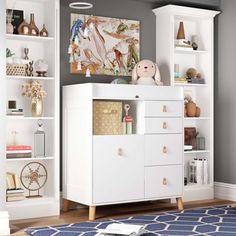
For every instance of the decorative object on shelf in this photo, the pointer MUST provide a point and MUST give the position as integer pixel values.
(119, 81)
(41, 67)
(15, 69)
(200, 141)
(194, 77)
(195, 42)
(107, 118)
(198, 171)
(21, 151)
(34, 177)
(9, 54)
(181, 33)
(34, 31)
(176, 71)
(146, 72)
(16, 19)
(26, 52)
(34, 90)
(190, 133)
(24, 28)
(185, 181)
(30, 69)
(127, 120)
(14, 139)
(12, 104)
(191, 109)
(43, 32)
(9, 26)
(104, 45)
(39, 141)
(12, 110)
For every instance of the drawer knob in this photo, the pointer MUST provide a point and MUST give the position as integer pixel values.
(164, 181)
(164, 125)
(120, 152)
(164, 150)
(164, 108)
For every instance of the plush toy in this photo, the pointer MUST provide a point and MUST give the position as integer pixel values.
(146, 72)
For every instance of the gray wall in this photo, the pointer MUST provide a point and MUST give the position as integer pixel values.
(125, 9)
(225, 96)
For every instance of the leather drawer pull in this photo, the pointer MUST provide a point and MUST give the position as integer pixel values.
(164, 126)
(164, 181)
(164, 108)
(120, 152)
(164, 150)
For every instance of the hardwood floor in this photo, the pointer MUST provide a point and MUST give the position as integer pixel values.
(103, 212)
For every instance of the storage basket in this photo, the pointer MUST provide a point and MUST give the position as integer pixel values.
(16, 69)
(107, 118)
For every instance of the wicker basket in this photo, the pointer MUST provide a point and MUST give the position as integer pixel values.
(16, 69)
(107, 118)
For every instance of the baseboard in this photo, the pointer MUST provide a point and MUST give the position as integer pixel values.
(4, 223)
(225, 191)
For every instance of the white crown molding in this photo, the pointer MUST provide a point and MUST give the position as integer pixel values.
(4, 223)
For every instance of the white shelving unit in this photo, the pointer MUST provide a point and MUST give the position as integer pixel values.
(198, 22)
(47, 48)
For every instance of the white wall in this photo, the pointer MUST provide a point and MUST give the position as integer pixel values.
(2, 103)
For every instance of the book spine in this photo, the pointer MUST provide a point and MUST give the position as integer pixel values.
(19, 152)
(19, 155)
(14, 148)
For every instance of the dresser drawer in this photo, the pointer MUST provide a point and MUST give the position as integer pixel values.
(163, 149)
(163, 125)
(118, 168)
(163, 181)
(163, 108)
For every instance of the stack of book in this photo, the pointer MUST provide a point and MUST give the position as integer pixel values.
(181, 80)
(19, 152)
(15, 192)
(15, 195)
(15, 112)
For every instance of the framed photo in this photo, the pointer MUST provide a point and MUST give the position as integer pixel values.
(17, 18)
(104, 45)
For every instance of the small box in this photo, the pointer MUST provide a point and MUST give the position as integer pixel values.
(107, 118)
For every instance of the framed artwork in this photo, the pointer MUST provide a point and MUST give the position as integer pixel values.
(103, 45)
(17, 18)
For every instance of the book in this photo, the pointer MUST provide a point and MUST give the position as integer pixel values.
(15, 198)
(15, 191)
(121, 229)
(10, 181)
(17, 182)
(19, 155)
(15, 194)
(22, 147)
(19, 151)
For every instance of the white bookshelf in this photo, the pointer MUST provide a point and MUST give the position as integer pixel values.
(47, 48)
(196, 22)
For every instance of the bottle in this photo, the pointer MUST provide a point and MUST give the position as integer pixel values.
(34, 31)
(44, 32)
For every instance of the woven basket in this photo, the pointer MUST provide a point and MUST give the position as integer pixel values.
(107, 118)
(16, 69)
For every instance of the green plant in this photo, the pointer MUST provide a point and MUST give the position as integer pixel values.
(9, 53)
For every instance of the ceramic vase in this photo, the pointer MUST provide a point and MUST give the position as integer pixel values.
(34, 31)
(43, 32)
(36, 107)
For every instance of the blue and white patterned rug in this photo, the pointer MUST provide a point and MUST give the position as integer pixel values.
(220, 221)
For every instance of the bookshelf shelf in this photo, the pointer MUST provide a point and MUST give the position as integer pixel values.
(18, 37)
(201, 23)
(31, 159)
(40, 48)
(13, 77)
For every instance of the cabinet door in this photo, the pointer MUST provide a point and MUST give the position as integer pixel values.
(118, 168)
(163, 149)
(163, 181)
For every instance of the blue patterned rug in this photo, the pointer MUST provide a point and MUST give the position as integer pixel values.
(219, 220)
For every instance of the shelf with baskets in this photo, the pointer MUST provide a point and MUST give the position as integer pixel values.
(32, 109)
(185, 67)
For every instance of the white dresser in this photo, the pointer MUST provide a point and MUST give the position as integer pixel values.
(111, 169)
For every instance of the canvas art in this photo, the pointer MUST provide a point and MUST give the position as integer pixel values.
(103, 45)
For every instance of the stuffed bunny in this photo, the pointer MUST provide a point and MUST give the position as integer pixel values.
(146, 72)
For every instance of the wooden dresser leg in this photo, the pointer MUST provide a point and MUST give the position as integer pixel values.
(66, 205)
(92, 212)
(179, 202)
